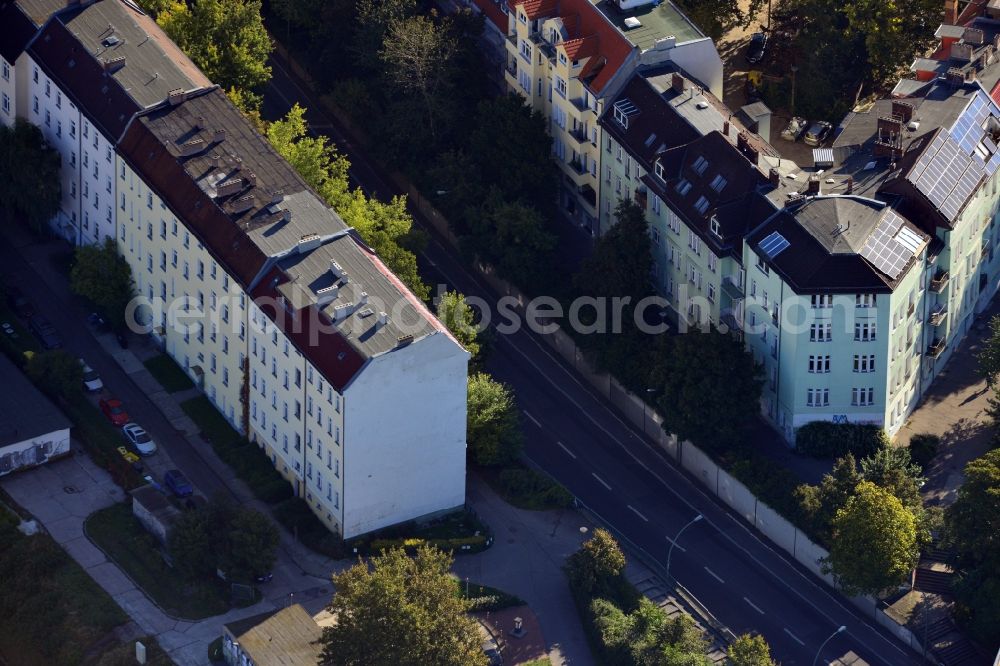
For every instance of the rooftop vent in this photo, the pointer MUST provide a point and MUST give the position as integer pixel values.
(219, 135)
(363, 298)
(111, 40)
(383, 319)
(336, 270)
(813, 185)
(632, 22)
(404, 340)
(365, 313)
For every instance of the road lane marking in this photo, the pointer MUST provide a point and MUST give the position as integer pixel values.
(568, 452)
(795, 638)
(714, 575)
(753, 605)
(677, 545)
(636, 512)
(532, 418)
(601, 481)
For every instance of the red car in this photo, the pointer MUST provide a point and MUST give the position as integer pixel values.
(114, 411)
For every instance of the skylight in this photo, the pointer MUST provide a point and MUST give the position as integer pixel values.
(718, 183)
(701, 204)
(700, 165)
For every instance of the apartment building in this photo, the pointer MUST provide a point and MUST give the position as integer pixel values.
(703, 180)
(294, 329)
(567, 57)
(112, 59)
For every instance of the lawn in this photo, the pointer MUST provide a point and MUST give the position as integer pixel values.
(168, 374)
(214, 427)
(526, 488)
(120, 535)
(46, 595)
(484, 597)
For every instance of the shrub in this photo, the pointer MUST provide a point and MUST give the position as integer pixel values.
(527, 488)
(297, 518)
(471, 544)
(823, 439)
(923, 448)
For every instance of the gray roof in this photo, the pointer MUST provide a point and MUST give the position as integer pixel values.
(658, 21)
(288, 637)
(40, 10)
(841, 224)
(24, 411)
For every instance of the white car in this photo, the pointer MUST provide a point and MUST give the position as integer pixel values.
(139, 439)
(91, 380)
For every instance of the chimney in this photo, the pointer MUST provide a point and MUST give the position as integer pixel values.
(955, 77)
(902, 110)
(850, 185)
(192, 147)
(743, 145)
(363, 299)
(231, 186)
(677, 83)
(326, 295)
(973, 36)
(774, 176)
(961, 52)
(950, 12)
(336, 270)
(219, 135)
(113, 65)
(250, 178)
(309, 242)
(382, 320)
(242, 204)
(176, 96)
(812, 187)
(725, 128)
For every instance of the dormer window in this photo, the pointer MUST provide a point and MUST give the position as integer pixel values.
(718, 183)
(700, 165)
(716, 227)
(562, 58)
(701, 205)
(683, 187)
(658, 168)
(623, 109)
(522, 18)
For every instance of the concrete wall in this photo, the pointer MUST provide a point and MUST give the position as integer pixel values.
(34, 451)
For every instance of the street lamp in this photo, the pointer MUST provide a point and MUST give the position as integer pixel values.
(670, 553)
(829, 638)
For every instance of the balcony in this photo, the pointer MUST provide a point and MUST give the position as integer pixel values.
(579, 104)
(577, 167)
(731, 289)
(641, 196)
(579, 135)
(940, 281)
(938, 314)
(512, 67)
(935, 348)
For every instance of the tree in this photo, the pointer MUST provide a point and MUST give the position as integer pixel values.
(972, 526)
(314, 158)
(989, 357)
(251, 544)
(374, 20)
(225, 38)
(192, 544)
(57, 372)
(821, 503)
(154, 7)
(697, 406)
(717, 17)
(400, 611)
(514, 238)
(874, 544)
(103, 276)
(249, 104)
(31, 173)
(648, 636)
(893, 469)
(460, 319)
(599, 560)
(494, 432)
(750, 650)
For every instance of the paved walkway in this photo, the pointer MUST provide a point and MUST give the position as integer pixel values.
(954, 408)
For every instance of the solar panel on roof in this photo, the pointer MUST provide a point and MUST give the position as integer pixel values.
(946, 175)
(891, 246)
(908, 239)
(773, 245)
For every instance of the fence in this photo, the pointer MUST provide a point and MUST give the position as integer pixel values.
(733, 493)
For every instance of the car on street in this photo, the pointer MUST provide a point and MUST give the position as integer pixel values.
(796, 126)
(817, 133)
(91, 380)
(45, 332)
(177, 483)
(114, 411)
(139, 439)
(757, 47)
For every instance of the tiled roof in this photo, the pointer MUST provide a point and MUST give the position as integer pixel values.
(492, 11)
(585, 21)
(579, 48)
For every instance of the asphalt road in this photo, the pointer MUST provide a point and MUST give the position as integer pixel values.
(572, 434)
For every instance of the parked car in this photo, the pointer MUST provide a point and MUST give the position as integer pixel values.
(756, 48)
(818, 133)
(114, 411)
(45, 332)
(139, 439)
(21, 306)
(796, 126)
(91, 380)
(177, 483)
(122, 339)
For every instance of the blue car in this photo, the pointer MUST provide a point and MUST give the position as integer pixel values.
(177, 483)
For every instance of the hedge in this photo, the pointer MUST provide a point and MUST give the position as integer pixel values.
(468, 545)
(824, 439)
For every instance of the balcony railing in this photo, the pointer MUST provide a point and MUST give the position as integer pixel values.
(641, 197)
(939, 281)
(579, 135)
(935, 348)
(938, 314)
(577, 166)
(580, 104)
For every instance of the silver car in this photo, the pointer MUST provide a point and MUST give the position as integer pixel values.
(796, 126)
(139, 439)
(91, 380)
